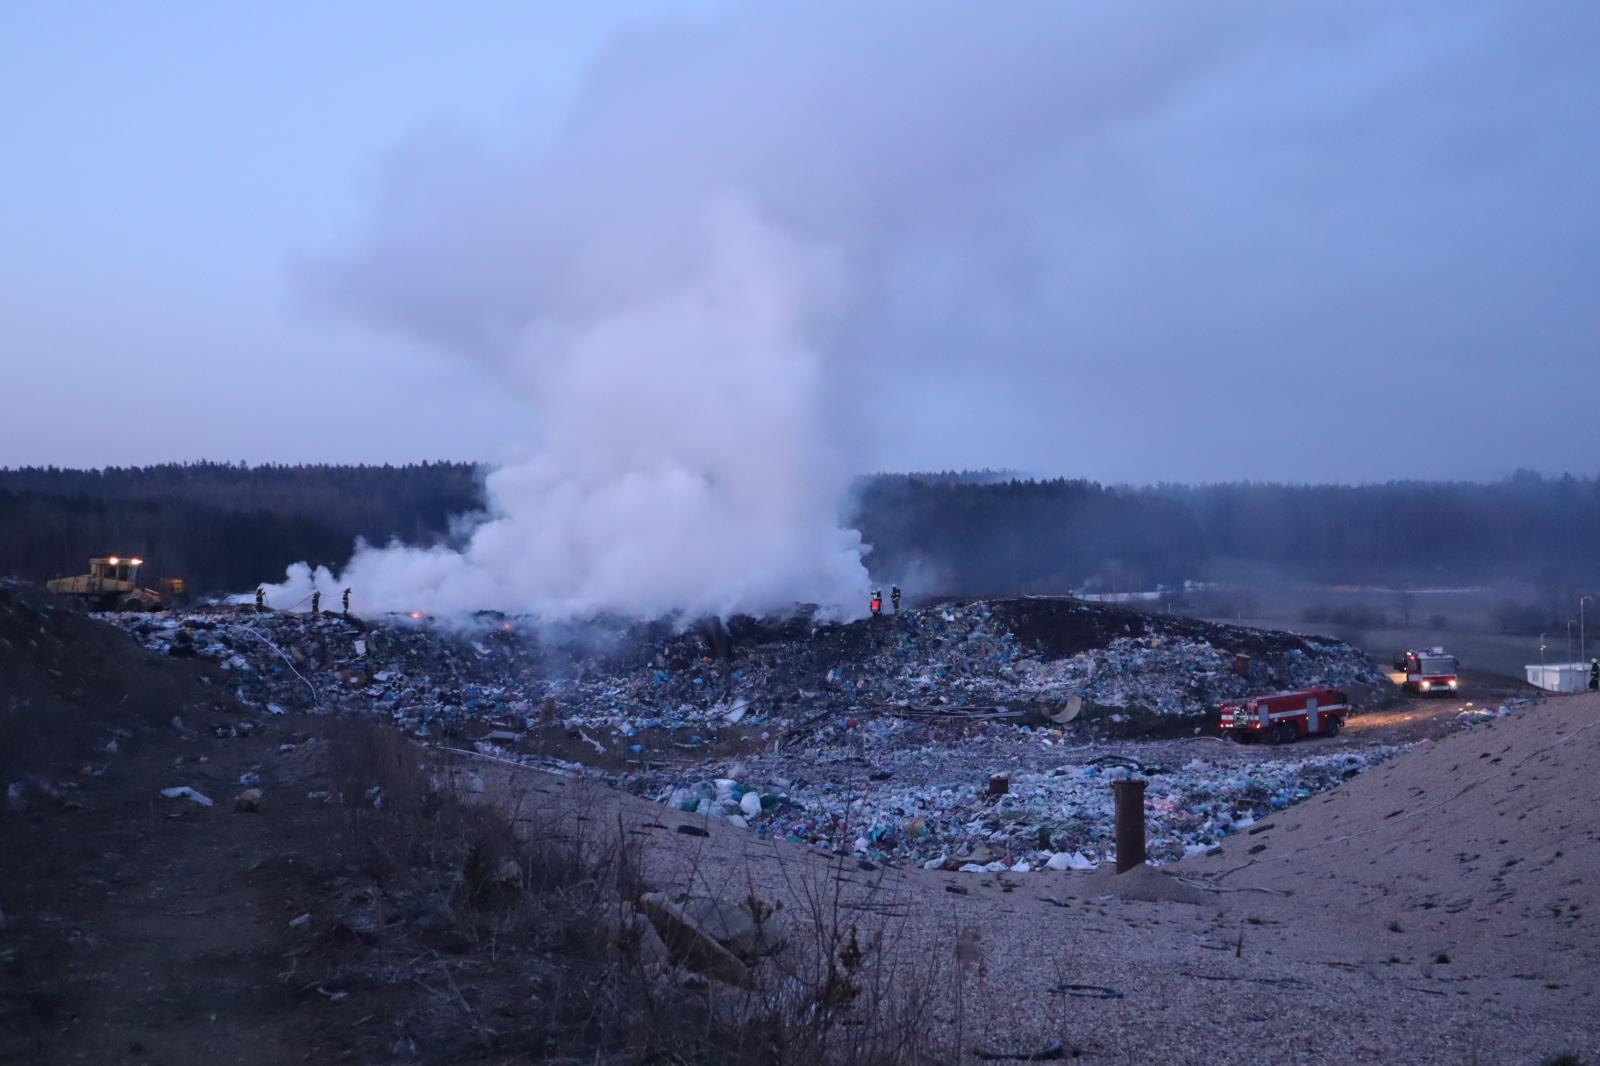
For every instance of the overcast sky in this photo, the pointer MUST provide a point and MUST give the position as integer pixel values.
(1133, 242)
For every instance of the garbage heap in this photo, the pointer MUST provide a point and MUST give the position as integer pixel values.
(953, 807)
(881, 737)
(1023, 659)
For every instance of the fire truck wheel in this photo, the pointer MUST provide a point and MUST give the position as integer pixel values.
(1332, 726)
(1284, 734)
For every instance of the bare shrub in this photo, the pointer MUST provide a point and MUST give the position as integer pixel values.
(522, 932)
(838, 993)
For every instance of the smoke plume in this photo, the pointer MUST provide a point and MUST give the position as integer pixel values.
(683, 463)
(771, 245)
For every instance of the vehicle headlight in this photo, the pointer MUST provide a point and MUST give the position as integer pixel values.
(1426, 685)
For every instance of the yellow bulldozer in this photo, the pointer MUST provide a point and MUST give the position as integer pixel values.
(112, 584)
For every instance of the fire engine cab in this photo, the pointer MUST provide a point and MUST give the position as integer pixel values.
(1429, 673)
(1284, 716)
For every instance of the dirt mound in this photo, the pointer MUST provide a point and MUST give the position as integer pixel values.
(347, 913)
(1060, 627)
(1478, 851)
(1140, 883)
(72, 684)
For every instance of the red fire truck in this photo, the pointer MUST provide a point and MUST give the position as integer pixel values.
(1430, 672)
(1284, 716)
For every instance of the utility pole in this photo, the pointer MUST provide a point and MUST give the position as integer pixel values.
(1129, 796)
(1583, 647)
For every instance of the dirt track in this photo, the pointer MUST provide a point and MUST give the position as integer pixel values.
(1432, 717)
(144, 929)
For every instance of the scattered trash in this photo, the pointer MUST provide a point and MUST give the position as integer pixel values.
(1054, 1049)
(935, 808)
(248, 801)
(1075, 861)
(185, 792)
(1086, 992)
(1051, 662)
(879, 740)
(690, 942)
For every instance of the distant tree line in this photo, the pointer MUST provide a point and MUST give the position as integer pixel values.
(1059, 535)
(992, 537)
(221, 526)
(226, 526)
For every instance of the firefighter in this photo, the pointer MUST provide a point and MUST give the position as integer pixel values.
(261, 598)
(1594, 675)
(316, 604)
(877, 602)
(347, 603)
(894, 598)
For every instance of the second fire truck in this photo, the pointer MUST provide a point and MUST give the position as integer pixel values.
(1429, 673)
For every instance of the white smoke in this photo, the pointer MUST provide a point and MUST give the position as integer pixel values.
(684, 462)
(674, 278)
(1043, 224)
(681, 279)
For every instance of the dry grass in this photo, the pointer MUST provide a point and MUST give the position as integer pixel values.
(837, 994)
(522, 938)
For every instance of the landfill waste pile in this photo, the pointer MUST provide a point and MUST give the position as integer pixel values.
(1001, 799)
(1015, 658)
(939, 735)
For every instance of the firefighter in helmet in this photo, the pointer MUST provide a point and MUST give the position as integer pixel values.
(894, 598)
(316, 603)
(261, 598)
(877, 602)
(347, 603)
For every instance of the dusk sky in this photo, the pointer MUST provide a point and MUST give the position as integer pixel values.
(1167, 241)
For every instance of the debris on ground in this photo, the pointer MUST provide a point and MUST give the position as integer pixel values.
(690, 944)
(185, 792)
(964, 736)
(1053, 1049)
(934, 804)
(1017, 660)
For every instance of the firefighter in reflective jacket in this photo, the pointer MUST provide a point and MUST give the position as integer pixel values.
(1594, 674)
(877, 602)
